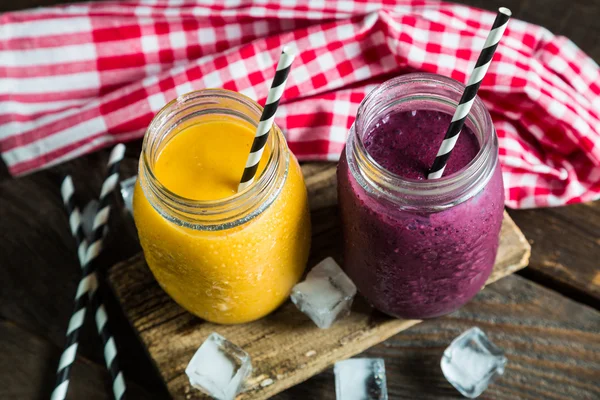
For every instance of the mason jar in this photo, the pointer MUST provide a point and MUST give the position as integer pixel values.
(419, 248)
(230, 260)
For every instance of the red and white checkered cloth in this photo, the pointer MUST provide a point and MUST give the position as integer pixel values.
(77, 78)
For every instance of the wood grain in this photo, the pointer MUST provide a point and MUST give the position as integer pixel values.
(285, 347)
(28, 370)
(566, 249)
(552, 345)
(38, 271)
(21, 4)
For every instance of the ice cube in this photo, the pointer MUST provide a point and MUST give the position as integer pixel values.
(360, 379)
(326, 294)
(127, 187)
(219, 368)
(472, 362)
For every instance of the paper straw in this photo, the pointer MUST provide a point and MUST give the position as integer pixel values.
(468, 96)
(98, 308)
(88, 285)
(268, 115)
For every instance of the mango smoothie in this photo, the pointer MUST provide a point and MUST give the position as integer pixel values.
(225, 257)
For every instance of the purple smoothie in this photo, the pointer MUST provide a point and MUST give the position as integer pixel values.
(414, 264)
(406, 143)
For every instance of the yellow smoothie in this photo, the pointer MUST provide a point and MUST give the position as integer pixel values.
(229, 275)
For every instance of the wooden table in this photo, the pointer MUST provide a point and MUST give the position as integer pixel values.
(546, 318)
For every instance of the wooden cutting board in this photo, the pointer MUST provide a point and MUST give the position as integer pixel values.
(286, 347)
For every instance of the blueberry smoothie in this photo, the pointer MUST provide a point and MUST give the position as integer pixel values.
(407, 259)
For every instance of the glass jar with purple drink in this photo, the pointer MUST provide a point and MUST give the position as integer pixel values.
(419, 248)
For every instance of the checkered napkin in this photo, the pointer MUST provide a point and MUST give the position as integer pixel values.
(77, 78)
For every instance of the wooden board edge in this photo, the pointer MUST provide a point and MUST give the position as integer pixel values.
(522, 239)
(388, 329)
(355, 345)
(347, 351)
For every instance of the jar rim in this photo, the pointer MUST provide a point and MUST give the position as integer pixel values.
(436, 193)
(216, 214)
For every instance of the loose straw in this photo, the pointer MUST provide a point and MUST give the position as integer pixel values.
(88, 285)
(468, 96)
(267, 117)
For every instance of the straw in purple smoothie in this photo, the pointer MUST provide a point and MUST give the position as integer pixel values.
(468, 96)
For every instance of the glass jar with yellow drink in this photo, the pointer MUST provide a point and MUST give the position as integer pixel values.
(225, 256)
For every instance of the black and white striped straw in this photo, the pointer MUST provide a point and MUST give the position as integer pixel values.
(109, 346)
(98, 308)
(268, 115)
(88, 285)
(77, 318)
(67, 190)
(468, 96)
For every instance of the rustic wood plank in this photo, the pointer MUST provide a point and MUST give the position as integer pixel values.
(552, 345)
(40, 271)
(282, 344)
(42, 304)
(28, 370)
(566, 249)
(22, 4)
